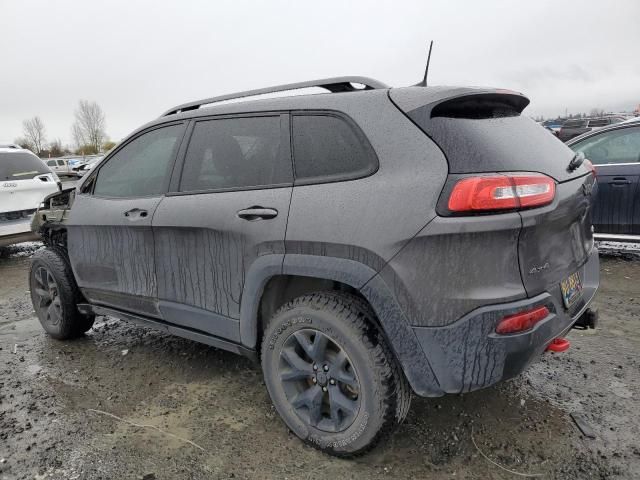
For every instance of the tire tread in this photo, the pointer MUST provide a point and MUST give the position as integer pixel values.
(396, 395)
(73, 323)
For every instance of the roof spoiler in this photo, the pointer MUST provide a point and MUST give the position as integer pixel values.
(460, 102)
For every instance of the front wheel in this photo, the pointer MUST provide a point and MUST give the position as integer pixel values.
(331, 375)
(55, 296)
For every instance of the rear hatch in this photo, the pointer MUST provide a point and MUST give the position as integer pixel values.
(24, 181)
(481, 132)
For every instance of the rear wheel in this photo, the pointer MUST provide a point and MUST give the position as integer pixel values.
(331, 375)
(55, 296)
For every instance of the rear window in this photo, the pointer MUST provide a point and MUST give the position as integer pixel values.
(20, 166)
(600, 122)
(327, 148)
(574, 124)
(503, 144)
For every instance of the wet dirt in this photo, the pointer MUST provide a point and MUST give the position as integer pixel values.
(208, 414)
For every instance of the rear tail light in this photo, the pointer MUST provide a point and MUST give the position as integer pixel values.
(501, 192)
(520, 322)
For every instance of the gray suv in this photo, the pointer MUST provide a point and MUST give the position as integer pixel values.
(361, 244)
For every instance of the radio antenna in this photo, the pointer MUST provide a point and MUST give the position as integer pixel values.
(423, 83)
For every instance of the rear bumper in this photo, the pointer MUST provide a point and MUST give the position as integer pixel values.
(468, 355)
(16, 231)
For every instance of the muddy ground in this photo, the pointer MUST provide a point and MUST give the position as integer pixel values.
(52, 395)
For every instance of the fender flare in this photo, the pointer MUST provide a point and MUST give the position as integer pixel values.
(395, 326)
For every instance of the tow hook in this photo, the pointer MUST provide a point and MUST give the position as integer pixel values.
(558, 345)
(589, 319)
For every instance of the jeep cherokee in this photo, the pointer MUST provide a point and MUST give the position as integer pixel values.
(363, 244)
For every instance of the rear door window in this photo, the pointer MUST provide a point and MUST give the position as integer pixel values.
(328, 148)
(236, 153)
(21, 166)
(51, 163)
(142, 167)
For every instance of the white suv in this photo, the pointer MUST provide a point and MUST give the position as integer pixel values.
(24, 182)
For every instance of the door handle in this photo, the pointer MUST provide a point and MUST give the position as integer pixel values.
(136, 213)
(257, 213)
(620, 181)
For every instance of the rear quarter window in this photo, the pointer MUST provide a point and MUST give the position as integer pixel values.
(328, 147)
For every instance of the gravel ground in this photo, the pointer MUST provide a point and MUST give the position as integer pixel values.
(74, 409)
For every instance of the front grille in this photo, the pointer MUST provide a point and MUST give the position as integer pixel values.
(16, 215)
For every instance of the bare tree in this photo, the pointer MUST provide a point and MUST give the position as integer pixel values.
(56, 149)
(24, 143)
(88, 130)
(34, 133)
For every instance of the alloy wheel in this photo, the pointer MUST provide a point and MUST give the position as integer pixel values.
(319, 380)
(47, 297)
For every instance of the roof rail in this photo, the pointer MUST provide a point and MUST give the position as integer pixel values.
(334, 85)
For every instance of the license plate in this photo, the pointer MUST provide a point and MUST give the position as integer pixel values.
(571, 288)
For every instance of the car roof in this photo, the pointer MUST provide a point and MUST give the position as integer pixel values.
(4, 149)
(315, 101)
(593, 133)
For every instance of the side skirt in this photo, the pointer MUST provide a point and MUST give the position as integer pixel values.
(183, 332)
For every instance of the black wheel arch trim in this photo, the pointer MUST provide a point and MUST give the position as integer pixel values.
(401, 337)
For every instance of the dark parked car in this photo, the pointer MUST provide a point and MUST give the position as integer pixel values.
(577, 126)
(361, 244)
(615, 152)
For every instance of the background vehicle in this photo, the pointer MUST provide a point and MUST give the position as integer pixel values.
(61, 166)
(553, 125)
(577, 126)
(329, 233)
(615, 152)
(24, 182)
(85, 167)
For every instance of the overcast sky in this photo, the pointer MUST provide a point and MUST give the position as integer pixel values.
(138, 58)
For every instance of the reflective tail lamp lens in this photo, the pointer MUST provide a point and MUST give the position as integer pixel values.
(501, 192)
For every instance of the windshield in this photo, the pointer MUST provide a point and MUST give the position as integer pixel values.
(614, 146)
(21, 166)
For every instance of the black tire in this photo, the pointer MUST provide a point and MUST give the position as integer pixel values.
(55, 296)
(377, 392)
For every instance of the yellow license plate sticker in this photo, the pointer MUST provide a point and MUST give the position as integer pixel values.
(571, 288)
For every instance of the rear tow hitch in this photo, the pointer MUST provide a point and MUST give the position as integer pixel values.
(558, 345)
(589, 319)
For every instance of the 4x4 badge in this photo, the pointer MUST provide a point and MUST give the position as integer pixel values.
(587, 188)
(535, 270)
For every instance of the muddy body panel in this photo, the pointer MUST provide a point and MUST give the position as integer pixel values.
(468, 354)
(112, 253)
(557, 240)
